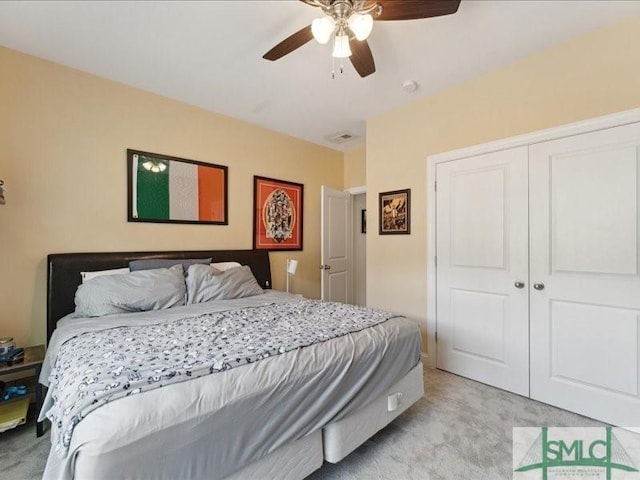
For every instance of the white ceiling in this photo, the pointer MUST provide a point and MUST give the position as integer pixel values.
(210, 53)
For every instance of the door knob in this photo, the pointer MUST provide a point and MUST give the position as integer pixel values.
(325, 267)
(538, 286)
(519, 284)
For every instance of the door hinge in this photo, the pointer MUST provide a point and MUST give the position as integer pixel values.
(435, 259)
(436, 337)
(435, 186)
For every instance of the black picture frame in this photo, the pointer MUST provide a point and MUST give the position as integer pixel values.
(211, 195)
(394, 212)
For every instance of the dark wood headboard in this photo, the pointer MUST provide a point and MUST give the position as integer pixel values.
(63, 272)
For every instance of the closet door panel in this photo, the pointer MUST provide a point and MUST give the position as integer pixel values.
(482, 317)
(585, 314)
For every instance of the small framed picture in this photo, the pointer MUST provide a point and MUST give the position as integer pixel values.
(363, 221)
(277, 215)
(395, 212)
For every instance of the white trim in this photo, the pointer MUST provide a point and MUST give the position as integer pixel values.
(357, 190)
(577, 128)
(431, 264)
(570, 129)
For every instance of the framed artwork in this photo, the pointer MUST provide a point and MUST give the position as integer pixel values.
(363, 221)
(395, 212)
(277, 215)
(164, 189)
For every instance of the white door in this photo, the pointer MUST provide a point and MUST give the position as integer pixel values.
(482, 269)
(585, 304)
(335, 248)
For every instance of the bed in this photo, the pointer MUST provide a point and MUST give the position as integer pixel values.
(279, 417)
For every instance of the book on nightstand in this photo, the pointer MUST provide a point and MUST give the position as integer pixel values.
(13, 414)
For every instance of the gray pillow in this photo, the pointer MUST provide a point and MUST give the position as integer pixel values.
(131, 292)
(206, 283)
(154, 263)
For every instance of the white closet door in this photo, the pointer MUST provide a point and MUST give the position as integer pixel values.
(584, 262)
(482, 252)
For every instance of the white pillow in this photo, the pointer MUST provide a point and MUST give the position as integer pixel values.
(222, 266)
(116, 271)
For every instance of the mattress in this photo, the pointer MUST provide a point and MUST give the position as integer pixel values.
(212, 426)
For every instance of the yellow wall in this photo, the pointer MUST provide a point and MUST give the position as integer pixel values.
(594, 75)
(63, 141)
(355, 168)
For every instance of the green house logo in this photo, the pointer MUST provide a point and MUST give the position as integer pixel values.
(577, 456)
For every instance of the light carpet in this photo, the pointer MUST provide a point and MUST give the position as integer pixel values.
(461, 430)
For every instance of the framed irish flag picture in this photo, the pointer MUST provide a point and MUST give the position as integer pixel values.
(164, 189)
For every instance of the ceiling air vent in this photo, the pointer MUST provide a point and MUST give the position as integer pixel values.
(341, 137)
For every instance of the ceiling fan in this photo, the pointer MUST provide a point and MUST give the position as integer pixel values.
(350, 22)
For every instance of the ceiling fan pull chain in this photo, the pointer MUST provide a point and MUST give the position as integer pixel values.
(333, 68)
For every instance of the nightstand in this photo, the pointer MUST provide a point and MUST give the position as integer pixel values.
(33, 358)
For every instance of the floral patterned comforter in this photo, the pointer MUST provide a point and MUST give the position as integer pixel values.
(97, 367)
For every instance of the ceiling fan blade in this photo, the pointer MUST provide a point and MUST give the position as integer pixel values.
(289, 44)
(414, 9)
(361, 57)
(310, 2)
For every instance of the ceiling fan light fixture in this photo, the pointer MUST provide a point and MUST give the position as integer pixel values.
(361, 25)
(341, 47)
(350, 23)
(322, 28)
